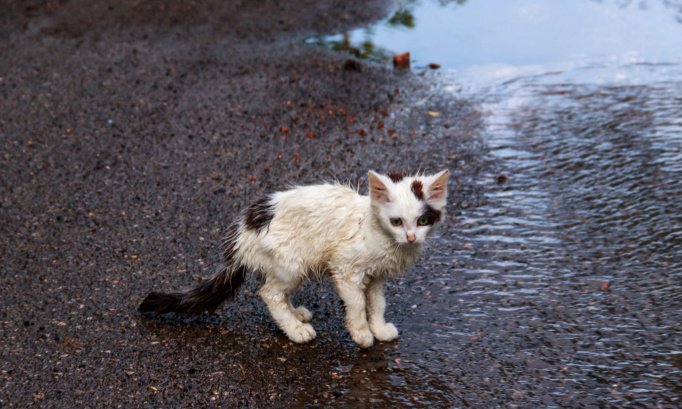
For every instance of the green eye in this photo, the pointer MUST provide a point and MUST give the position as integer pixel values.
(423, 221)
(396, 221)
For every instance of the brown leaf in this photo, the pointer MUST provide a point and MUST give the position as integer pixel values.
(402, 61)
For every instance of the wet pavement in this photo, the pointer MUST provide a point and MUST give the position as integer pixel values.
(128, 145)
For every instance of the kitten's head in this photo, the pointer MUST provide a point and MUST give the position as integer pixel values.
(408, 208)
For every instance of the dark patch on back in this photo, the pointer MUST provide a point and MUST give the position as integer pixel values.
(396, 176)
(258, 216)
(432, 215)
(417, 189)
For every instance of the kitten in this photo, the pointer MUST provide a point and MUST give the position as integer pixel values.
(323, 230)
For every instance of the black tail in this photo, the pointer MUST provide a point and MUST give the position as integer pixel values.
(208, 295)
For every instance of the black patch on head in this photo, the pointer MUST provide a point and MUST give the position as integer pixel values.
(417, 189)
(432, 215)
(258, 216)
(396, 176)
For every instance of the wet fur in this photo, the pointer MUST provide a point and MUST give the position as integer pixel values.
(323, 229)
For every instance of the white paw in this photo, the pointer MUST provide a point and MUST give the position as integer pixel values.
(301, 333)
(386, 332)
(363, 338)
(302, 314)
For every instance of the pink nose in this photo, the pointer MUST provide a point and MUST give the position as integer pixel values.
(411, 237)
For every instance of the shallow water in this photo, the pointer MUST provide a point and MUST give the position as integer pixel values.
(563, 288)
(583, 240)
(459, 34)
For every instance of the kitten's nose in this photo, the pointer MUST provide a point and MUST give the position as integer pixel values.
(411, 237)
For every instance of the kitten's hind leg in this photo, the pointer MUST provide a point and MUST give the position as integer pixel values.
(376, 306)
(275, 293)
(353, 296)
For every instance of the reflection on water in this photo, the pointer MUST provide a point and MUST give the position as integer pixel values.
(369, 48)
(461, 34)
(365, 50)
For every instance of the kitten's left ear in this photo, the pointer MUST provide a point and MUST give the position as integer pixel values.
(437, 189)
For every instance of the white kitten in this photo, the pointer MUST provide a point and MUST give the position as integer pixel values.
(324, 229)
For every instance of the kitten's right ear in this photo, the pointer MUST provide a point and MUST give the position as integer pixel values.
(377, 188)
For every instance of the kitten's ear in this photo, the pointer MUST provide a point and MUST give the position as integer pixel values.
(377, 188)
(437, 189)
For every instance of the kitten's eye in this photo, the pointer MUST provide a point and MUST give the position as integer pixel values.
(396, 221)
(423, 221)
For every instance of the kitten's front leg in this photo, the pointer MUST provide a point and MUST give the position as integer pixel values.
(353, 297)
(376, 306)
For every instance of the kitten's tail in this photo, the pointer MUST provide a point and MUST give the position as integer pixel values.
(208, 295)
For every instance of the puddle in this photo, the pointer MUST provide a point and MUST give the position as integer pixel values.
(460, 34)
(587, 231)
(563, 290)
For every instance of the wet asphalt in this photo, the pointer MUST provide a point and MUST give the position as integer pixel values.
(131, 134)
